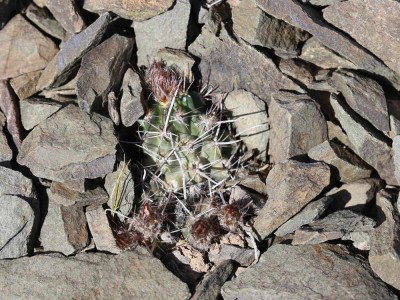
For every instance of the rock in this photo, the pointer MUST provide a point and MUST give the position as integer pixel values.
(6, 153)
(177, 59)
(168, 30)
(45, 21)
(19, 214)
(250, 120)
(9, 107)
(332, 227)
(243, 256)
(308, 19)
(62, 195)
(24, 48)
(210, 286)
(64, 229)
(79, 185)
(239, 73)
(68, 14)
(64, 64)
(379, 35)
(100, 230)
(36, 110)
(90, 276)
(131, 106)
(102, 70)
(134, 10)
(384, 256)
(361, 240)
(355, 195)
(307, 272)
(24, 85)
(257, 28)
(291, 185)
(344, 164)
(365, 141)
(58, 149)
(6, 8)
(396, 155)
(322, 2)
(120, 183)
(298, 70)
(336, 134)
(306, 216)
(365, 96)
(252, 182)
(297, 125)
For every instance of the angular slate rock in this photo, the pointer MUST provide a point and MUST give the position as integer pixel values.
(6, 153)
(365, 141)
(365, 96)
(134, 10)
(68, 14)
(372, 23)
(24, 85)
(396, 157)
(61, 194)
(243, 256)
(250, 120)
(64, 229)
(177, 59)
(102, 70)
(60, 150)
(297, 125)
(24, 48)
(257, 28)
(65, 63)
(166, 30)
(90, 276)
(322, 2)
(36, 110)
(384, 256)
(308, 19)
(239, 73)
(306, 216)
(298, 70)
(345, 164)
(307, 272)
(131, 105)
(291, 185)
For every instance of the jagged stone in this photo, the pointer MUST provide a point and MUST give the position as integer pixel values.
(24, 85)
(102, 70)
(6, 153)
(68, 14)
(298, 70)
(61, 194)
(58, 149)
(297, 125)
(36, 110)
(291, 185)
(177, 59)
(243, 256)
(24, 49)
(250, 120)
(168, 30)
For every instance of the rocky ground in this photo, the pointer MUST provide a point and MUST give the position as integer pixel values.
(311, 89)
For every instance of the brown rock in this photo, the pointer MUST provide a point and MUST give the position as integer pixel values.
(384, 256)
(239, 73)
(68, 14)
(36, 110)
(24, 85)
(131, 106)
(177, 59)
(372, 23)
(24, 48)
(6, 154)
(336, 134)
(298, 70)
(297, 125)
(290, 185)
(101, 71)
(62, 195)
(308, 19)
(137, 10)
(365, 96)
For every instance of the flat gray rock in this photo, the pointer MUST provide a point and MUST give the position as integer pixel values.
(59, 149)
(62, 194)
(291, 185)
(250, 120)
(384, 256)
(36, 110)
(372, 23)
(297, 125)
(242, 256)
(307, 272)
(239, 72)
(365, 96)
(306, 216)
(24, 85)
(166, 30)
(6, 153)
(346, 166)
(101, 71)
(68, 14)
(366, 142)
(65, 63)
(396, 157)
(130, 275)
(131, 103)
(257, 28)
